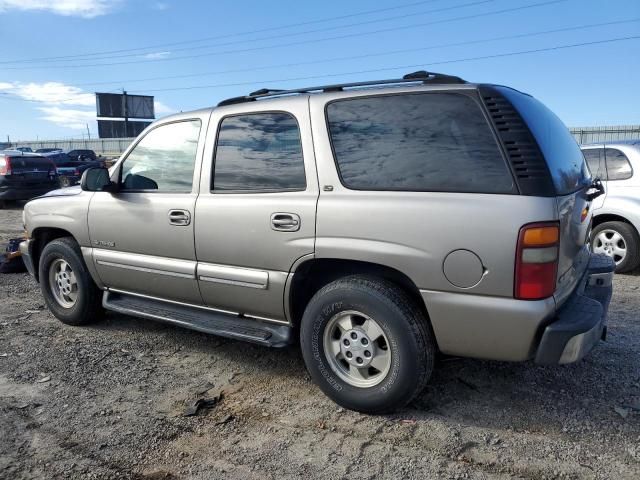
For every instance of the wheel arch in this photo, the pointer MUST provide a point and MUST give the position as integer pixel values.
(313, 274)
(41, 237)
(611, 217)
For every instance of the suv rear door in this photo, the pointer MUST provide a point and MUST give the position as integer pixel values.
(570, 181)
(28, 170)
(255, 216)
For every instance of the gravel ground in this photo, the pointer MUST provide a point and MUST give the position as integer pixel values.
(108, 401)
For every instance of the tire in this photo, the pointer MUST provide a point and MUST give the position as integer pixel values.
(628, 238)
(82, 305)
(404, 331)
(64, 182)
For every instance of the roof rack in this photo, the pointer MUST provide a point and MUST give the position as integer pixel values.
(420, 76)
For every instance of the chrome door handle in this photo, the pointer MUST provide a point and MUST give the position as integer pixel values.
(179, 218)
(285, 222)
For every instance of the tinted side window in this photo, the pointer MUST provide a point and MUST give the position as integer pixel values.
(595, 161)
(164, 159)
(259, 152)
(416, 142)
(618, 164)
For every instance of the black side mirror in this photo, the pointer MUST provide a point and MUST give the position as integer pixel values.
(595, 190)
(96, 179)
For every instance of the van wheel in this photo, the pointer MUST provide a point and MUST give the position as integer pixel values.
(366, 344)
(620, 241)
(67, 288)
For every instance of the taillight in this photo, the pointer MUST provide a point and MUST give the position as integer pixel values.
(5, 166)
(537, 261)
(53, 171)
(76, 172)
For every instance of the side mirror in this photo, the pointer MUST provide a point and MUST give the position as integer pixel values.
(96, 179)
(595, 190)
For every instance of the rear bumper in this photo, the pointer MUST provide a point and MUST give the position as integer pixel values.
(581, 322)
(19, 192)
(27, 258)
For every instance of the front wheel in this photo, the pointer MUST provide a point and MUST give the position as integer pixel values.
(366, 344)
(67, 287)
(619, 240)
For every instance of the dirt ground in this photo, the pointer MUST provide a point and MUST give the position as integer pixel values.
(109, 401)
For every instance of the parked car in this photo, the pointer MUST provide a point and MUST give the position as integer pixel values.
(70, 168)
(380, 222)
(82, 155)
(25, 175)
(48, 150)
(616, 214)
(23, 149)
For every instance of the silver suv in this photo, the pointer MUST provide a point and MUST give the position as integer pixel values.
(379, 223)
(616, 214)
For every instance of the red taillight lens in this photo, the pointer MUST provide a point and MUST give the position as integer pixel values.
(5, 166)
(537, 261)
(76, 172)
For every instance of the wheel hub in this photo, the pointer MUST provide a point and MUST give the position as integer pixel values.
(357, 348)
(63, 283)
(611, 243)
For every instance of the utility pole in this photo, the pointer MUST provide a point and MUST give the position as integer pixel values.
(88, 134)
(125, 109)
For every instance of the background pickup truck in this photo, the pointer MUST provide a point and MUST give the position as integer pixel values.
(70, 167)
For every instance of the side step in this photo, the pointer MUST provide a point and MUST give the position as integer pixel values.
(200, 319)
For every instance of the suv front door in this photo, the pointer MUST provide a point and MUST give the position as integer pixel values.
(142, 236)
(255, 216)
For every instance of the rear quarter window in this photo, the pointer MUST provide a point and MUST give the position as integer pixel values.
(564, 158)
(439, 142)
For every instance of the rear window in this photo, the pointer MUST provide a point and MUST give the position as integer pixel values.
(618, 165)
(438, 142)
(563, 155)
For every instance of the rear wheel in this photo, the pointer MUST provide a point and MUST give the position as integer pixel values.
(366, 344)
(67, 287)
(618, 240)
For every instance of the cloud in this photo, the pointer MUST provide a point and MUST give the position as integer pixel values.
(161, 109)
(68, 117)
(75, 8)
(49, 92)
(156, 55)
(51, 97)
(160, 6)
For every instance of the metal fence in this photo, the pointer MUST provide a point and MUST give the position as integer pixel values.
(605, 134)
(108, 147)
(113, 147)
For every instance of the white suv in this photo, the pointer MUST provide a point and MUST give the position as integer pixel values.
(616, 215)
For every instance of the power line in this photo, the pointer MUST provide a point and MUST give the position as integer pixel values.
(295, 34)
(304, 42)
(399, 67)
(366, 55)
(402, 67)
(246, 32)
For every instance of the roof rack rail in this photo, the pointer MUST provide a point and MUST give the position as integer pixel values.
(420, 76)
